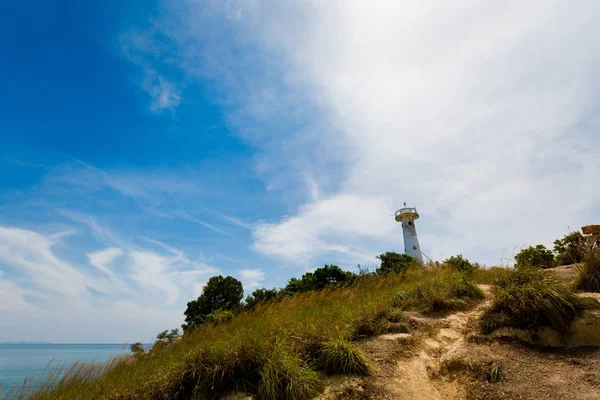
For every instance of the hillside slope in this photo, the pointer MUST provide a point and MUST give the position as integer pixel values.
(410, 335)
(445, 358)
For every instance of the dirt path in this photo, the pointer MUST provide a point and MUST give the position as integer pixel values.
(420, 365)
(445, 359)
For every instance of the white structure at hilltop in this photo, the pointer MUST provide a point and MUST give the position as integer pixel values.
(407, 216)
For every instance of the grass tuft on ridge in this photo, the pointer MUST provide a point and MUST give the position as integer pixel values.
(339, 356)
(444, 291)
(588, 274)
(529, 298)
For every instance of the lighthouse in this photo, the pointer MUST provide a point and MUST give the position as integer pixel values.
(407, 217)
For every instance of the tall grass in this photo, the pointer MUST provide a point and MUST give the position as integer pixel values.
(444, 291)
(588, 274)
(278, 350)
(529, 298)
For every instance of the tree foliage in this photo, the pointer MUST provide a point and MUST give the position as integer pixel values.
(394, 262)
(166, 336)
(458, 263)
(220, 293)
(261, 295)
(137, 348)
(535, 257)
(569, 250)
(319, 279)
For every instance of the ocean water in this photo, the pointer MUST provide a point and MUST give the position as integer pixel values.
(20, 361)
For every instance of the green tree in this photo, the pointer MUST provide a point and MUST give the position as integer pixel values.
(535, 257)
(569, 250)
(166, 336)
(219, 293)
(261, 295)
(458, 263)
(394, 262)
(319, 279)
(137, 348)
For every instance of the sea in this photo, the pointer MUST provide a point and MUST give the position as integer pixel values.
(21, 361)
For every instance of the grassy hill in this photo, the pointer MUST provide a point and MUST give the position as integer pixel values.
(378, 330)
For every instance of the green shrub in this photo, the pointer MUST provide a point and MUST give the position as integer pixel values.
(535, 257)
(570, 249)
(588, 275)
(261, 295)
(339, 356)
(460, 264)
(394, 262)
(328, 275)
(219, 317)
(530, 298)
(137, 348)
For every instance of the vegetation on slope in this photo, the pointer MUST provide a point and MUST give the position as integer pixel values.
(279, 349)
(588, 275)
(528, 298)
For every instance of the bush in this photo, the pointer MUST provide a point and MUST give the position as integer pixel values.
(535, 257)
(219, 317)
(137, 348)
(261, 296)
(570, 249)
(329, 275)
(460, 264)
(588, 275)
(529, 298)
(442, 292)
(394, 262)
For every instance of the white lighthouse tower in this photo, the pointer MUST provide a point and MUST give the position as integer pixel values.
(407, 216)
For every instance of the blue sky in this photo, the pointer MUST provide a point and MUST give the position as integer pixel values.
(146, 146)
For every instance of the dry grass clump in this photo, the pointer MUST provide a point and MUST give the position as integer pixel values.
(489, 275)
(444, 291)
(386, 320)
(339, 356)
(588, 274)
(528, 298)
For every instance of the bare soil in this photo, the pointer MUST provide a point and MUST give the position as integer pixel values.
(445, 358)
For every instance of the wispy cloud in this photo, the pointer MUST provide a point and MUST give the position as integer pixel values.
(233, 220)
(102, 259)
(471, 116)
(30, 254)
(164, 95)
(34, 278)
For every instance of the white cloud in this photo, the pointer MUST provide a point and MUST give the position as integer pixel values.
(150, 271)
(484, 115)
(30, 254)
(12, 298)
(251, 278)
(103, 258)
(139, 290)
(319, 225)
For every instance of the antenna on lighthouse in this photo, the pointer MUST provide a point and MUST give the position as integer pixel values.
(407, 217)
